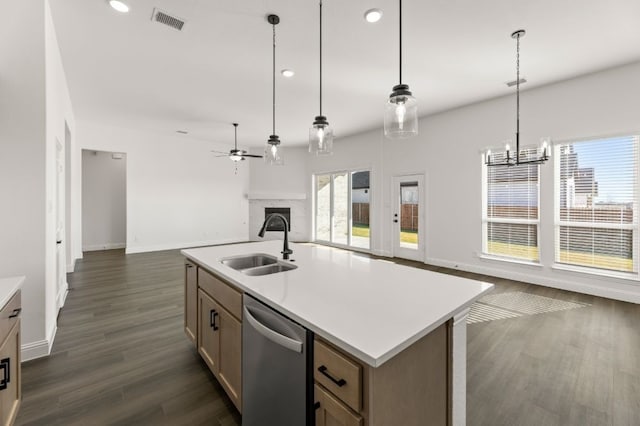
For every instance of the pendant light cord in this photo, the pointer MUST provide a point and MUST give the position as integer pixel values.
(274, 79)
(400, 1)
(320, 57)
(517, 99)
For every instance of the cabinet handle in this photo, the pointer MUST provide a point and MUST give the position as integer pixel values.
(15, 313)
(5, 366)
(189, 265)
(340, 382)
(316, 405)
(212, 317)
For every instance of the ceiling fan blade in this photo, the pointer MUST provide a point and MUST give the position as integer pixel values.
(220, 152)
(222, 155)
(252, 156)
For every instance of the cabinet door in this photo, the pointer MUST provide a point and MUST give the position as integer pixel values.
(230, 363)
(10, 376)
(208, 327)
(190, 301)
(331, 412)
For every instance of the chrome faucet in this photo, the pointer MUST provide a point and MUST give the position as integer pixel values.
(286, 251)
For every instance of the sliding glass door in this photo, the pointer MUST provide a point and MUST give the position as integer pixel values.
(342, 202)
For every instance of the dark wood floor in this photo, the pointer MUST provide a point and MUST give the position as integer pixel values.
(121, 357)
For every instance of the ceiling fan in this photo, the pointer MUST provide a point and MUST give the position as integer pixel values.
(236, 154)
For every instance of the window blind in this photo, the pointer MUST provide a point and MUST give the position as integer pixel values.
(596, 203)
(511, 209)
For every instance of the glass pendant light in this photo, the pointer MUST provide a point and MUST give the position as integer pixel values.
(273, 151)
(526, 156)
(401, 112)
(321, 135)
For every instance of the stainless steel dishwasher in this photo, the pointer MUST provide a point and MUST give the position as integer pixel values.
(277, 368)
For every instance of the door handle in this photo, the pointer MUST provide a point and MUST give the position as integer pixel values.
(395, 220)
(212, 317)
(340, 382)
(59, 242)
(5, 366)
(277, 338)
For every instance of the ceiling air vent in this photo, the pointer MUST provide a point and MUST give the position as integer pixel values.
(513, 83)
(165, 18)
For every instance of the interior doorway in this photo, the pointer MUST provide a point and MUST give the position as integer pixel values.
(103, 200)
(408, 217)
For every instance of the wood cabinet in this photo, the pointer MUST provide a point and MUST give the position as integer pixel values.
(10, 375)
(219, 336)
(411, 389)
(191, 300)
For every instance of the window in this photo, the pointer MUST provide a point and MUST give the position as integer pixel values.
(510, 210)
(596, 199)
(342, 201)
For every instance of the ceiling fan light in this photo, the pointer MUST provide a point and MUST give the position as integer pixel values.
(321, 137)
(236, 157)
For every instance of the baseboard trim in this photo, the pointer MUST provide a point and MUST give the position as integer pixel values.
(555, 282)
(38, 349)
(176, 246)
(109, 246)
(62, 295)
(72, 266)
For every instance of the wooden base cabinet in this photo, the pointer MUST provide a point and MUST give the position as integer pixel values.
(219, 337)
(191, 301)
(10, 375)
(411, 389)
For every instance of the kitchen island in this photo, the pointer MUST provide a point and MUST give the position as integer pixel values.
(389, 321)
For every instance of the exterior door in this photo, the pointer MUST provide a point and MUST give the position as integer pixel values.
(408, 217)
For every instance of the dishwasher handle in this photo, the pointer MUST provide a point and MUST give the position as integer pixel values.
(275, 337)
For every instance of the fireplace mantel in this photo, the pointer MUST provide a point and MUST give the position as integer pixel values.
(277, 196)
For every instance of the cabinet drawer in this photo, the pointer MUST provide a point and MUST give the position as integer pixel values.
(9, 315)
(338, 374)
(330, 412)
(223, 293)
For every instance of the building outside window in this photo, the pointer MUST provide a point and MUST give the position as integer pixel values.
(596, 204)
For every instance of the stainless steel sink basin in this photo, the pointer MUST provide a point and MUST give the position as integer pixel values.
(269, 269)
(257, 264)
(249, 261)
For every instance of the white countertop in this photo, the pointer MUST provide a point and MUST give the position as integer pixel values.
(8, 287)
(370, 308)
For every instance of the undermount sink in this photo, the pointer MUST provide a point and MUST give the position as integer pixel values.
(249, 261)
(257, 264)
(268, 269)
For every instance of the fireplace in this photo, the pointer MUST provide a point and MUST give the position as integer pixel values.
(276, 225)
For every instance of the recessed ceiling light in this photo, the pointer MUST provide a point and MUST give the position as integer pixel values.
(373, 15)
(119, 6)
(288, 73)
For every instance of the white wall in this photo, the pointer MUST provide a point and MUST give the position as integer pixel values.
(33, 107)
(103, 201)
(178, 193)
(22, 159)
(448, 151)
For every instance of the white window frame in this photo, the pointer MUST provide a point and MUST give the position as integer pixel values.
(592, 270)
(330, 242)
(486, 220)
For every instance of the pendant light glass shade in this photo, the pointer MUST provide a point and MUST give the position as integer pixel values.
(273, 152)
(321, 137)
(320, 134)
(401, 111)
(401, 114)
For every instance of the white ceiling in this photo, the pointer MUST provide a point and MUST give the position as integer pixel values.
(125, 70)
